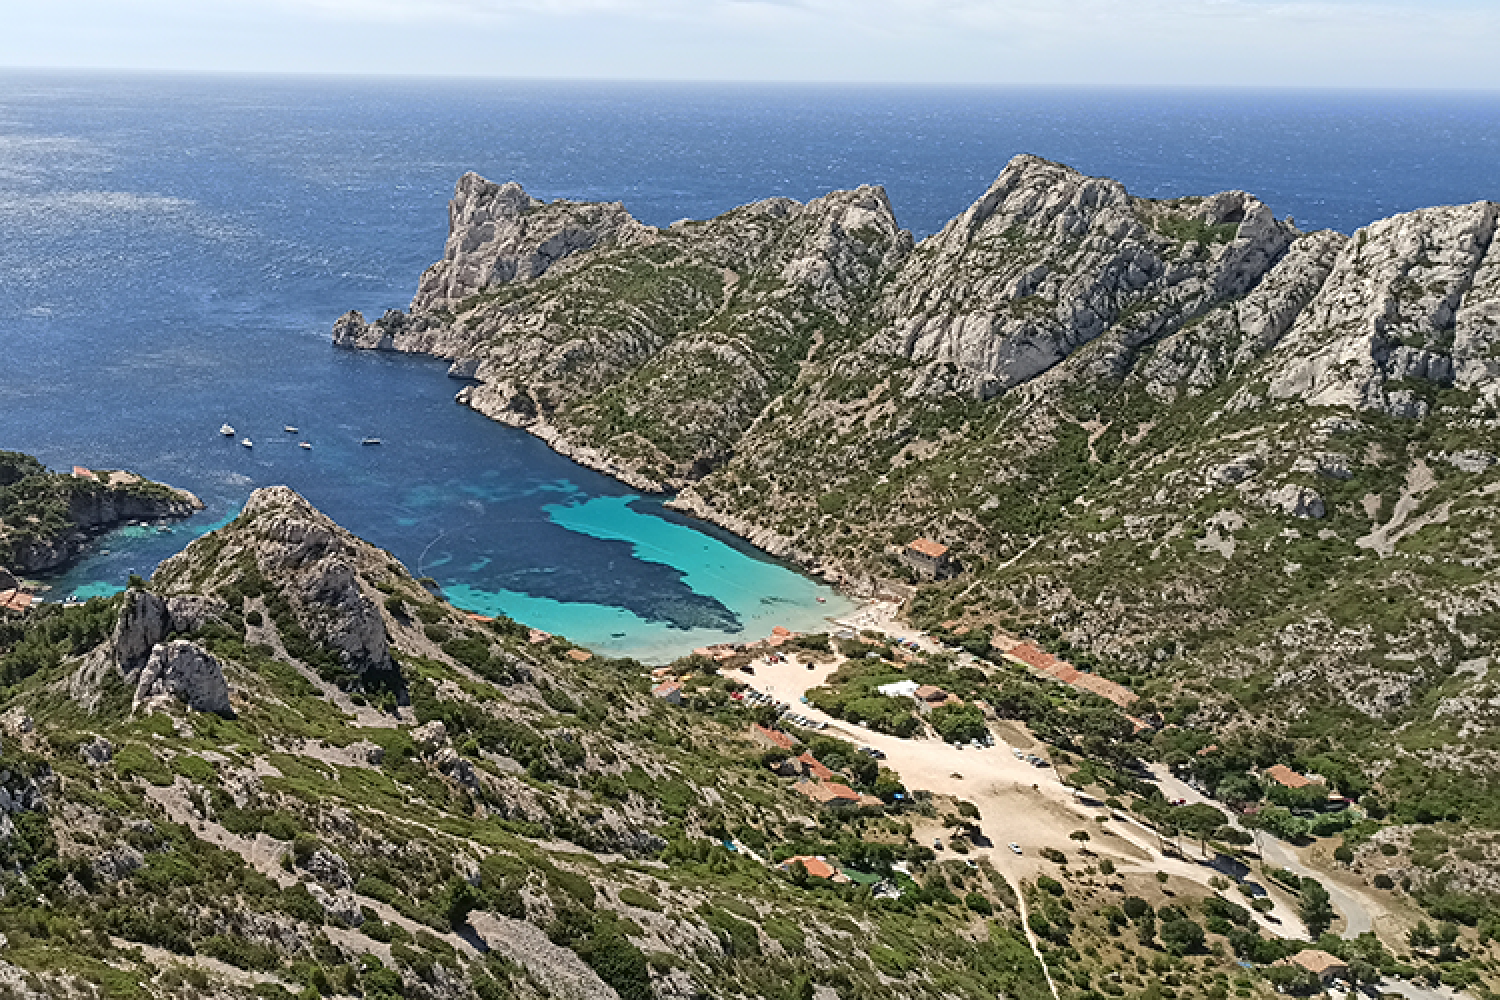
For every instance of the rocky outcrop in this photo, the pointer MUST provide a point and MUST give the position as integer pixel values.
(143, 623)
(183, 671)
(1389, 313)
(497, 233)
(1049, 260)
(82, 506)
(315, 564)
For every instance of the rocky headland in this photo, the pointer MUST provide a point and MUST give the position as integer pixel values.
(48, 519)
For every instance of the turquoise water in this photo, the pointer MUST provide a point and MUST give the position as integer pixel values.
(762, 593)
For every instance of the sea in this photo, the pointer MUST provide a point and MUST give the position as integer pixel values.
(175, 249)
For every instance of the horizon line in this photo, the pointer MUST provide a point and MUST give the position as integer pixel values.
(472, 78)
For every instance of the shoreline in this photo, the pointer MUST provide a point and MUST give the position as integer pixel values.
(490, 402)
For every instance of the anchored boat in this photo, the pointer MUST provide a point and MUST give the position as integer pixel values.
(226, 430)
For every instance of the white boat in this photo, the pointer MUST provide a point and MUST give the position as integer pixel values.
(305, 445)
(247, 442)
(226, 430)
(370, 441)
(290, 429)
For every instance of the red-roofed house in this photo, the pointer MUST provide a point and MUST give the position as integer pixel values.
(79, 472)
(772, 739)
(813, 768)
(829, 793)
(816, 867)
(930, 696)
(928, 559)
(1286, 777)
(1321, 964)
(15, 600)
(670, 692)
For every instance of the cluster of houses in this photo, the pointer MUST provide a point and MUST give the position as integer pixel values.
(815, 779)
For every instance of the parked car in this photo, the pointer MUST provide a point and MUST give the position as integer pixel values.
(1015, 847)
(937, 845)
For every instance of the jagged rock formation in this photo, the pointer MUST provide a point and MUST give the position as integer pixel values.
(650, 353)
(316, 564)
(181, 670)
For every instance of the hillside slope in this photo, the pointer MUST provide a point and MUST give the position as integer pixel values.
(283, 768)
(1250, 471)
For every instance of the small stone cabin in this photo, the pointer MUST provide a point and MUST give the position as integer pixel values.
(929, 560)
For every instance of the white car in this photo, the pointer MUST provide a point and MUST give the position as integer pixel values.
(1015, 847)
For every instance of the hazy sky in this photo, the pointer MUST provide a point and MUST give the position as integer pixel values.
(1339, 43)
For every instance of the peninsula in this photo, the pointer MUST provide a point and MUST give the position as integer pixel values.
(47, 519)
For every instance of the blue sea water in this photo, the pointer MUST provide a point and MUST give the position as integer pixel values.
(174, 250)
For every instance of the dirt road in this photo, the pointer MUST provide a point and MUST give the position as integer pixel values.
(1018, 802)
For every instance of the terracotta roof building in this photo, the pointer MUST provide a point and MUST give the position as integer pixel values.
(828, 793)
(929, 560)
(1286, 777)
(772, 739)
(814, 768)
(1321, 964)
(816, 867)
(670, 692)
(1064, 672)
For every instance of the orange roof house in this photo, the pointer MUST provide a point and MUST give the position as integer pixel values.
(581, 655)
(828, 793)
(814, 768)
(1321, 964)
(816, 867)
(79, 472)
(670, 692)
(931, 692)
(929, 548)
(773, 739)
(928, 559)
(1286, 777)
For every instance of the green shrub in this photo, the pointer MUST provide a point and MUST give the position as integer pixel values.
(136, 761)
(642, 900)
